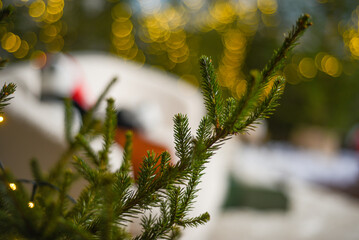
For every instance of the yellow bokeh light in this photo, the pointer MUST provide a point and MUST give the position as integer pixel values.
(121, 12)
(354, 46)
(176, 39)
(123, 43)
(55, 6)
(45, 38)
(223, 12)
(247, 6)
(121, 29)
(172, 18)
(23, 50)
(31, 204)
(10, 42)
(307, 67)
(270, 20)
(249, 24)
(17, 45)
(37, 8)
(39, 59)
(56, 44)
(12, 186)
(51, 30)
(332, 66)
(241, 88)
(128, 53)
(234, 41)
(318, 60)
(226, 76)
(267, 6)
(291, 73)
(194, 4)
(179, 55)
(51, 18)
(2, 119)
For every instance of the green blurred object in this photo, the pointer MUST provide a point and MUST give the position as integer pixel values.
(241, 195)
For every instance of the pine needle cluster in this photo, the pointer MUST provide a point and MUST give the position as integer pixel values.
(7, 89)
(163, 194)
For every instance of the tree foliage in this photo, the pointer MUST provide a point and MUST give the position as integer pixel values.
(163, 194)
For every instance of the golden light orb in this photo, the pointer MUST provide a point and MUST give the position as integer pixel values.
(12, 186)
(31, 204)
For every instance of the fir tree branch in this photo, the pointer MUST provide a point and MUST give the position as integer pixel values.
(5, 95)
(211, 91)
(88, 118)
(127, 154)
(182, 135)
(276, 62)
(68, 119)
(91, 175)
(91, 154)
(109, 133)
(196, 221)
(87, 125)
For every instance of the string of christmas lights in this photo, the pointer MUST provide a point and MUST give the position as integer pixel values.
(35, 186)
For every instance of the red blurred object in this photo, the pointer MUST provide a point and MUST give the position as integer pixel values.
(140, 147)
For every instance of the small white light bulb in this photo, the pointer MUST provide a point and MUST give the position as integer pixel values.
(12, 186)
(31, 204)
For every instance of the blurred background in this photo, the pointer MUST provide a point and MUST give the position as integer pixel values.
(313, 137)
(239, 35)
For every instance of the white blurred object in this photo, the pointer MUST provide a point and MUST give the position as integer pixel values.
(277, 162)
(316, 138)
(59, 75)
(258, 134)
(36, 129)
(315, 212)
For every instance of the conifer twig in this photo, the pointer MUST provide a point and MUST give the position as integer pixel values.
(5, 95)
(276, 62)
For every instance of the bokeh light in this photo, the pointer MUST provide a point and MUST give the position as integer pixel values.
(23, 50)
(354, 46)
(122, 29)
(12, 186)
(38, 59)
(31, 204)
(331, 66)
(194, 4)
(10, 42)
(307, 67)
(37, 8)
(121, 12)
(267, 6)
